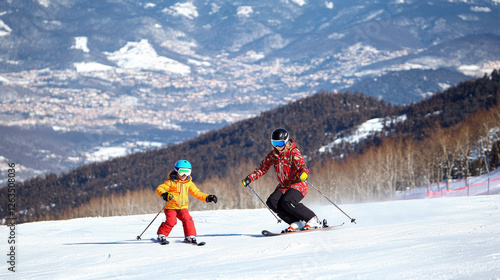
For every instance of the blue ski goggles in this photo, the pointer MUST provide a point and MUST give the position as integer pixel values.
(278, 143)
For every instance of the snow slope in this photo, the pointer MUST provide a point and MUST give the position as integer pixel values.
(442, 238)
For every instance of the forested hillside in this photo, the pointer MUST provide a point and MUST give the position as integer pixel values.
(314, 121)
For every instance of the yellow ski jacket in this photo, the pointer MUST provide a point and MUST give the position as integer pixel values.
(179, 189)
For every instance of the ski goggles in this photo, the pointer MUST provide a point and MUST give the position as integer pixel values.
(278, 143)
(184, 171)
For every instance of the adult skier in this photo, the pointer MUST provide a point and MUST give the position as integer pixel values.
(291, 172)
(175, 192)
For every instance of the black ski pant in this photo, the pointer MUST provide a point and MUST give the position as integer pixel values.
(288, 206)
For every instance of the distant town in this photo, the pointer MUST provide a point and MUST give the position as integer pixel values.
(108, 105)
(219, 90)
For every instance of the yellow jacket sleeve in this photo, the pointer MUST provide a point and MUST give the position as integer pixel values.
(194, 191)
(163, 188)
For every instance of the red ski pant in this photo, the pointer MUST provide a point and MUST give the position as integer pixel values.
(171, 221)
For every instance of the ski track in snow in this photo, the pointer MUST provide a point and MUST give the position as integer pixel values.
(442, 238)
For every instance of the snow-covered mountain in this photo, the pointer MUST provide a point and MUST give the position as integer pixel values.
(107, 75)
(444, 238)
(272, 50)
(180, 34)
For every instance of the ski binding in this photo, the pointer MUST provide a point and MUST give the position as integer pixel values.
(326, 227)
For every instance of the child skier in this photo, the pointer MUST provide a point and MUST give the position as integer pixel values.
(291, 172)
(175, 192)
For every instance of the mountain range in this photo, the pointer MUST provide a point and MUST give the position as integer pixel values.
(83, 81)
(57, 34)
(327, 126)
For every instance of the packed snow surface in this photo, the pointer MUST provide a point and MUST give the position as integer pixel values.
(441, 238)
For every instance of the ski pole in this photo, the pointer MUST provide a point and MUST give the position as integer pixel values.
(352, 220)
(279, 221)
(139, 236)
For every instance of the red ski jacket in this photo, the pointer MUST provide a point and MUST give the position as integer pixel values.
(288, 164)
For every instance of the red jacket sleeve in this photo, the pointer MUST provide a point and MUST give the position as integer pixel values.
(263, 167)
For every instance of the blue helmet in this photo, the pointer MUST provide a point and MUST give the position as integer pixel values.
(182, 164)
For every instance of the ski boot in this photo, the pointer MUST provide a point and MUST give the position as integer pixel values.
(293, 227)
(190, 239)
(162, 239)
(313, 223)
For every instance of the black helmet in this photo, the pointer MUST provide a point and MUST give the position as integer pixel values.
(280, 137)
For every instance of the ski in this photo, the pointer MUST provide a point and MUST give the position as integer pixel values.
(202, 243)
(155, 240)
(269, 233)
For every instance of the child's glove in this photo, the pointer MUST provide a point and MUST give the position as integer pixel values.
(167, 196)
(303, 176)
(245, 182)
(211, 198)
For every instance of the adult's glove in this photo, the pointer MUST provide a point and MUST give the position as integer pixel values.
(167, 196)
(212, 198)
(303, 176)
(245, 182)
